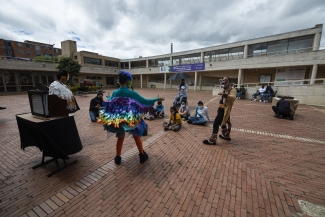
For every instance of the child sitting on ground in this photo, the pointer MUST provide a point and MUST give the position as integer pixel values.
(175, 121)
(151, 114)
(160, 113)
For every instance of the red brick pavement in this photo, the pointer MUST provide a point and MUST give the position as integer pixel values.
(258, 173)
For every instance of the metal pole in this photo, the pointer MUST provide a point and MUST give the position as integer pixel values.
(171, 47)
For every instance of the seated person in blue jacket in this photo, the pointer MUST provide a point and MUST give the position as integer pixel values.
(95, 106)
(268, 92)
(160, 113)
(184, 111)
(175, 121)
(201, 116)
(240, 92)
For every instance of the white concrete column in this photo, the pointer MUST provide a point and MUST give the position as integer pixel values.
(239, 77)
(200, 81)
(141, 81)
(147, 63)
(313, 74)
(245, 51)
(316, 43)
(202, 57)
(195, 80)
(165, 78)
(129, 64)
(147, 81)
(171, 85)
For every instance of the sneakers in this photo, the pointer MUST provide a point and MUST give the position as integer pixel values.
(189, 122)
(255, 99)
(260, 100)
(117, 160)
(208, 142)
(143, 157)
(265, 101)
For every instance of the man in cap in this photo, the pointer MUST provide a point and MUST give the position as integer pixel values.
(95, 105)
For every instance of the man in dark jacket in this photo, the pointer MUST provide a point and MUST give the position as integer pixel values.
(282, 108)
(95, 105)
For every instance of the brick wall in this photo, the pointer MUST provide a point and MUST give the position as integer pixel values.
(253, 75)
(2, 48)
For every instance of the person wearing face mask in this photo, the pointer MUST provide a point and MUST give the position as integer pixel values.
(95, 105)
(184, 111)
(183, 84)
(183, 94)
(201, 116)
(175, 121)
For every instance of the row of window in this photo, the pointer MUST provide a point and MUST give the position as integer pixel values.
(286, 46)
(94, 77)
(22, 81)
(38, 47)
(99, 62)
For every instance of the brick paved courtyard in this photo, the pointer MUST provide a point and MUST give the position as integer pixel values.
(264, 170)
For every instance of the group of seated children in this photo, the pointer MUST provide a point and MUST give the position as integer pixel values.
(157, 112)
(264, 93)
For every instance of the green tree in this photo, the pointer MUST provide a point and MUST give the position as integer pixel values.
(71, 66)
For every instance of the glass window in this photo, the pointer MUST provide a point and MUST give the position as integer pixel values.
(10, 81)
(43, 79)
(277, 47)
(163, 62)
(37, 47)
(36, 77)
(208, 56)
(111, 63)
(28, 52)
(88, 77)
(99, 78)
(28, 45)
(236, 52)
(109, 80)
(93, 77)
(21, 52)
(38, 54)
(92, 61)
(301, 44)
(26, 81)
(221, 54)
(257, 50)
(20, 44)
(50, 78)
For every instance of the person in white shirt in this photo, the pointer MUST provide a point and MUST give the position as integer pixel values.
(201, 116)
(259, 93)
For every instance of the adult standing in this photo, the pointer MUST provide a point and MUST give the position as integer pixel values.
(183, 83)
(223, 117)
(123, 113)
(63, 92)
(94, 107)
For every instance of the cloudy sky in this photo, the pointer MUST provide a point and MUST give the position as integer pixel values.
(133, 28)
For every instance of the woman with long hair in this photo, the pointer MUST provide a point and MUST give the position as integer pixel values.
(175, 120)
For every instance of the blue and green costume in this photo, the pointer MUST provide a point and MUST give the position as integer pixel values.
(124, 111)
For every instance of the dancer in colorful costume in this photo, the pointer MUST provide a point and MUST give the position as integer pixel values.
(123, 113)
(227, 99)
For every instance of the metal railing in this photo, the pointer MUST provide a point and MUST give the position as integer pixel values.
(281, 83)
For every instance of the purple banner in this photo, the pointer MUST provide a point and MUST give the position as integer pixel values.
(187, 67)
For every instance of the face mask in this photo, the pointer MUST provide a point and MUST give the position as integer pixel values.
(200, 106)
(183, 106)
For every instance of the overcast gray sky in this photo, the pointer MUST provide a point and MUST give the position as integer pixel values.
(133, 28)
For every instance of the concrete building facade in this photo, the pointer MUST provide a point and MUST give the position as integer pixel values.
(26, 50)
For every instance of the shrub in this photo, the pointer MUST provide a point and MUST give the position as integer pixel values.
(74, 89)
